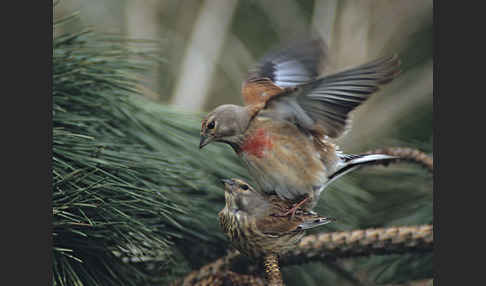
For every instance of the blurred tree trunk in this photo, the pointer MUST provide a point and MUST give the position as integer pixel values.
(324, 17)
(287, 9)
(350, 35)
(202, 54)
(142, 22)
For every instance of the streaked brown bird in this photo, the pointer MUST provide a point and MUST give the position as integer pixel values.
(284, 132)
(254, 223)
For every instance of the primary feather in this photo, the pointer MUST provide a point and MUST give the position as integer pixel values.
(325, 103)
(297, 64)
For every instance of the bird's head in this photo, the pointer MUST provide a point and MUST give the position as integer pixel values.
(240, 196)
(223, 124)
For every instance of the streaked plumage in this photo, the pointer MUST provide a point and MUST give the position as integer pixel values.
(254, 223)
(284, 131)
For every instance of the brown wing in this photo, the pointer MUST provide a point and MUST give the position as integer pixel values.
(259, 90)
(277, 225)
(297, 64)
(325, 103)
(274, 224)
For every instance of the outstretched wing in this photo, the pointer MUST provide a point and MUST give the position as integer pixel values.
(324, 104)
(295, 65)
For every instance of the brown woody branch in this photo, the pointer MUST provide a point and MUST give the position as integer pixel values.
(366, 242)
(424, 282)
(218, 273)
(325, 247)
(407, 155)
(272, 270)
(226, 277)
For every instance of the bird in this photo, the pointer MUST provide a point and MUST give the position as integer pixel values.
(254, 224)
(286, 130)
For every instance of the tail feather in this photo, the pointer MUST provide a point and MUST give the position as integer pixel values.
(352, 162)
(315, 222)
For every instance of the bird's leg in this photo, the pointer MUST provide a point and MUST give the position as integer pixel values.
(295, 207)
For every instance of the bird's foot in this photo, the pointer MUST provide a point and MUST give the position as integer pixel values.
(294, 208)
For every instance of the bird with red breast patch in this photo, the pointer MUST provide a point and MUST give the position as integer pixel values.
(284, 131)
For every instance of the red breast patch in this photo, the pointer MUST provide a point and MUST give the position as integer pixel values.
(257, 143)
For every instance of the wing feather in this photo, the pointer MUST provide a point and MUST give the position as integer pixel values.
(278, 70)
(326, 102)
(285, 224)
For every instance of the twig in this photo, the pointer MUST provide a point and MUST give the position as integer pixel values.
(407, 154)
(356, 243)
(330, 246)
(208, 273)
(425, 282)
(272, 270)
(201, 57)
(226, 277)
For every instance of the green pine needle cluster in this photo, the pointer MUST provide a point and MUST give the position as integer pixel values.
(128, 178)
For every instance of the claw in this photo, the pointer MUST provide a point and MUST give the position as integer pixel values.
(294, 208)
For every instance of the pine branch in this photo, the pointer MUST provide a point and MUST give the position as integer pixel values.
(216, 273)
(424, 282)
(127, 174)
(272, 270)
(331, 246)
(379, 241)
(407, 155)
(229, 277)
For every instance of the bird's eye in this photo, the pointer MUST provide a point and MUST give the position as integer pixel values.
(244, 187)
(211, 125)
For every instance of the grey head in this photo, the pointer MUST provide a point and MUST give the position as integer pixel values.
(224, 124)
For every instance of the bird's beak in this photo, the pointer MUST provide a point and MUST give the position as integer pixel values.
(228, 184)
(204, 141)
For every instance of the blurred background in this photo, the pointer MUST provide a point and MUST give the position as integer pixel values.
(206, 48)
(209, 45)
